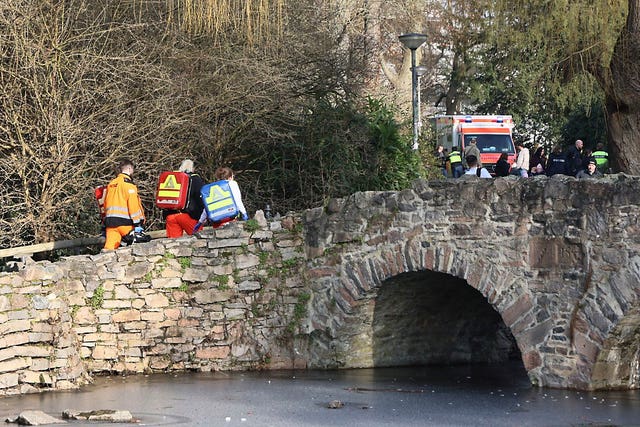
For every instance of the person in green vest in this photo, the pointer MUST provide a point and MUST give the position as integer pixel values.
(602, 158)
(455, 159)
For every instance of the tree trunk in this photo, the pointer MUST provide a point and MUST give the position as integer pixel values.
(622, 91)
(458, 74)
(401, 79)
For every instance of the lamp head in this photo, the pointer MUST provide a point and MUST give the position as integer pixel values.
(412, 40)
(421, 70)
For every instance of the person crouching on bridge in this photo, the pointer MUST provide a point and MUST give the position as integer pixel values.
(123, 209)
(185, 220)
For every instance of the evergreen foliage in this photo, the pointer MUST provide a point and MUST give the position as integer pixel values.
(545, 63)
(335, 151)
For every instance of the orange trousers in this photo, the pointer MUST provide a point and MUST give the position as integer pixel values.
(178, 223)
(114, 236)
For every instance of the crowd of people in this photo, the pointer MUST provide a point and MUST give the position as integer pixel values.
(577, 161)
(124, 217)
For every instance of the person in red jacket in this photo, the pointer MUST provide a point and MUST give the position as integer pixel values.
(123, 209)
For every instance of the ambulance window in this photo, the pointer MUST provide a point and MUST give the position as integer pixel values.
(495, 144)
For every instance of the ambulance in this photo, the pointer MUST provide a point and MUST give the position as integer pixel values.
(493, 133)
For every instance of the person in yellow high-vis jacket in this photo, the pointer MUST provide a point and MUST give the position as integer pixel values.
(123, 209)
(601, 157)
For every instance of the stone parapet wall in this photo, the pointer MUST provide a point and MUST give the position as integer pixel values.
(38, 348)
(226, 301)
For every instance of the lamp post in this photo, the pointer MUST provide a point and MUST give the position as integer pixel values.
(412, 41)
(421, 70)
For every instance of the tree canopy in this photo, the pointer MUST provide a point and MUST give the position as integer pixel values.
(304, 99)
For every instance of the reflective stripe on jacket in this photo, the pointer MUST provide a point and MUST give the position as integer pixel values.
(122, 203)
(455, 157)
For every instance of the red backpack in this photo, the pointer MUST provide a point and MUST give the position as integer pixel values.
(101, 193)
(173, 190)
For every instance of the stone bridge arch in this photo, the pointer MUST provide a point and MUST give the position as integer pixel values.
(351, 297)
(556, 258)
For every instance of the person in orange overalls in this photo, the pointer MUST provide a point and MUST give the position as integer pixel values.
(123, 209)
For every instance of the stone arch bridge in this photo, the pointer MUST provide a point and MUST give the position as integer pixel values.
(545, 270)
(556, 258)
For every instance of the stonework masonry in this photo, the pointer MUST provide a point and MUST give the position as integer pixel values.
(222, 302)
(558, 259)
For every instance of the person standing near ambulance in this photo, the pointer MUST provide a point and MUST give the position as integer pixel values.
(123, 209)
(455, 162)
(185, 220)
(471, 150)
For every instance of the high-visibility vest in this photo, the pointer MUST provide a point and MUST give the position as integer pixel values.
(602, 157)
(455, 157)
(218, 201)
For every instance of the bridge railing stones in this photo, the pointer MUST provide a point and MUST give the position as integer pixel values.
(227, 301)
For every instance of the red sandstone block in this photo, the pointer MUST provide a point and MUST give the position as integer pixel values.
(126, 316)
(531, 360)
(186, 323)
(429, 257)
(475, 275)
(447, 256)
(172, 313)
(587, 350)
(105, 353)
(376, 241)
(413, 232)
(318, 272)
(213, 352)
(516, 310)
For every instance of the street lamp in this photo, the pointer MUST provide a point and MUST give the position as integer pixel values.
(421, 70)
(412, 41)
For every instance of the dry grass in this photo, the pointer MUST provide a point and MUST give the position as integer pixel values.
(256, 21)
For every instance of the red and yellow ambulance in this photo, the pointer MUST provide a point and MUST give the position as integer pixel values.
(493, 133)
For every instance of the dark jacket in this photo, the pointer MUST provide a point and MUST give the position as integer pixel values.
(502, 168)
(537, 159)
(585, 174)
(556, 164)
(574, 161)
(195, 205)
